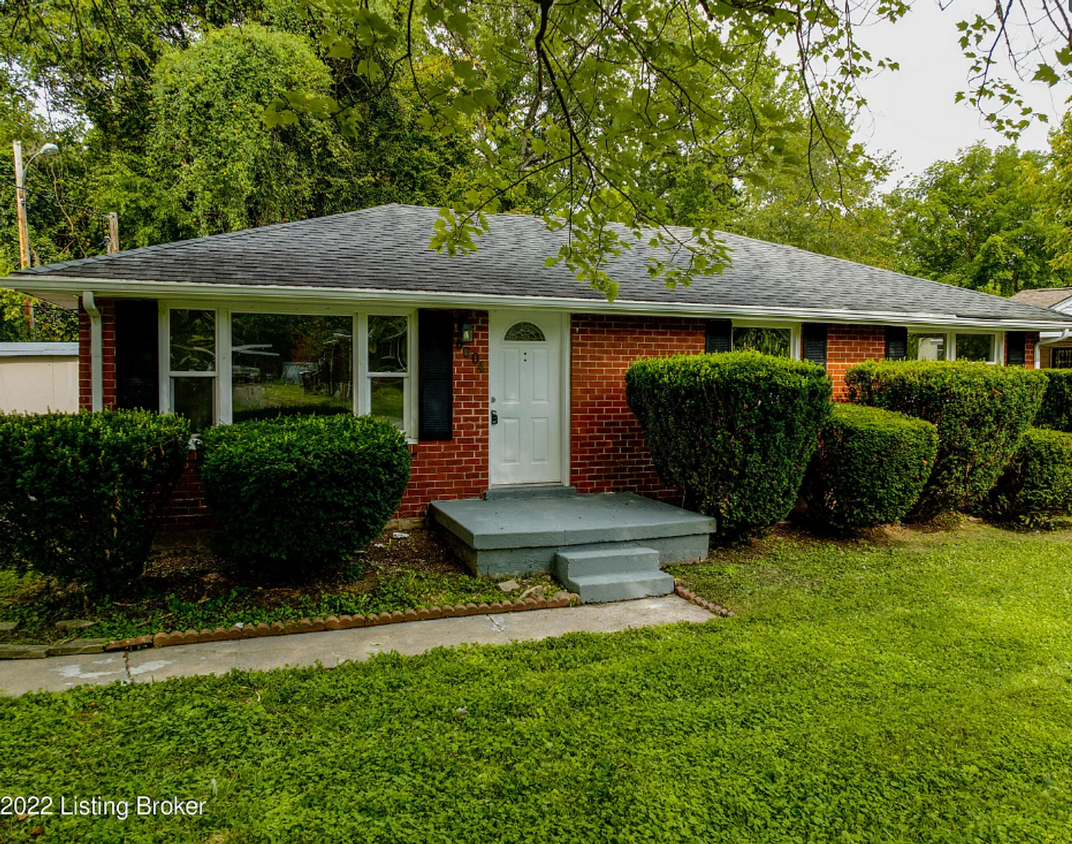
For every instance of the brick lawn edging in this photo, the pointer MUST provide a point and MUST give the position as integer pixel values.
(341, 622)
(688, 595)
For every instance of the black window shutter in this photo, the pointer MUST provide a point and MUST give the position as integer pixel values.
(1017, 354)
(718, 335)
(137, 355)
(896, 342)
(813, 343)
(435, 375)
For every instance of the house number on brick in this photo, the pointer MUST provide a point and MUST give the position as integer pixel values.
(474, 357)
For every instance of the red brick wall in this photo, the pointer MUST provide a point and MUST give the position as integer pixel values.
(456, 468)
(846, 346)
(85, 375)
(186, 509)
(608, 451)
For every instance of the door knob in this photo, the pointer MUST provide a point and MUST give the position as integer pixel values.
(494, 418)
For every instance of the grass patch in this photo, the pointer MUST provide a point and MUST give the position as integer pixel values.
(916, 690)
(187, 587)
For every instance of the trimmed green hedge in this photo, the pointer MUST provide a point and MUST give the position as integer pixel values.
(734, 432)
(1056, 410)
(1036, 487)
(80, 495)
(869, 469)
(981, 413)
(302, 493)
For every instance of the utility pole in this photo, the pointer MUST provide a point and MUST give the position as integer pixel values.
(113, 232)
(24, 234)
(20, 207)
(20, 213)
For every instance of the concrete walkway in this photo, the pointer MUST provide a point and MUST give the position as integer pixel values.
(332, 648)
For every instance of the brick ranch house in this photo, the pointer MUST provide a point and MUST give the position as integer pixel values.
(499, 369)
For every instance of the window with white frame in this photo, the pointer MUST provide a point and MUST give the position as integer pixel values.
(768, 341)
(982, 348)
(192, 374)
(387, 370)
(927, 345)
(284, 364)
(978, 346)
(271, 364)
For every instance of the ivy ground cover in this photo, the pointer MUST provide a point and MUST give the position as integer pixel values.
(915, 688)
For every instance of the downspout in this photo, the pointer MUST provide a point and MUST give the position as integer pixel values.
(96, 351)
(1049, 341)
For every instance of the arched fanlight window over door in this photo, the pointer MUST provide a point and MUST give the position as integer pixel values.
(524, 332)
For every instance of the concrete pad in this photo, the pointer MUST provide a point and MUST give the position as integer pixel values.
(59, 673)
(331, 648)
(580, 520)
(515, 536)
(600, 618)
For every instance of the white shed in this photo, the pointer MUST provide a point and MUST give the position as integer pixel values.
(38, 377)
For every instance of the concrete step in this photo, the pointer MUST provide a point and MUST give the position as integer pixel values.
(600, 588)
(610, 559)
(506, 493)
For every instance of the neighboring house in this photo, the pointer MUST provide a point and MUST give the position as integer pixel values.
(1055, 347)
(38, 377)
(499, 369)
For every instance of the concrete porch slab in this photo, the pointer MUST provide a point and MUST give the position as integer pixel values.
(523, 535)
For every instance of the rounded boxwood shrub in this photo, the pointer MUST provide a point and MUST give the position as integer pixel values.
(1056, 410)
(304, 492)
(869, 469)
(1036, 487)
(734, 431)
(81, 494)
(981, 413)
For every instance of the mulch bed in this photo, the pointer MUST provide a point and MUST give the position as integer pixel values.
(400, 569)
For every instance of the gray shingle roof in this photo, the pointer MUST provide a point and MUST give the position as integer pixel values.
(386, 248)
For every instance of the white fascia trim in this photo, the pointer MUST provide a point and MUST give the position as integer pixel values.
(249, 293)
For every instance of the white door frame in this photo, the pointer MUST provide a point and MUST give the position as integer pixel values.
(498, 322)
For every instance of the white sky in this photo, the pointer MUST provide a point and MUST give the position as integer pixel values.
(912, 113)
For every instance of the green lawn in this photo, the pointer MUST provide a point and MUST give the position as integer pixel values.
(919, 689)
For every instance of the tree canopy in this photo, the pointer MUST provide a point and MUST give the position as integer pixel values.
(980, 221)
(615, 120)
(582, 99)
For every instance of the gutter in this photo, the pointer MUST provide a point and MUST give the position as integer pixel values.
(201, 292)
(1049, 341)
(96, 351)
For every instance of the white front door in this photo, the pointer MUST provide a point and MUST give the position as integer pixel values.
(526, 412)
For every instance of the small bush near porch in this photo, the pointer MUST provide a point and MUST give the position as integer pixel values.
(913, 688)
(302, 493)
